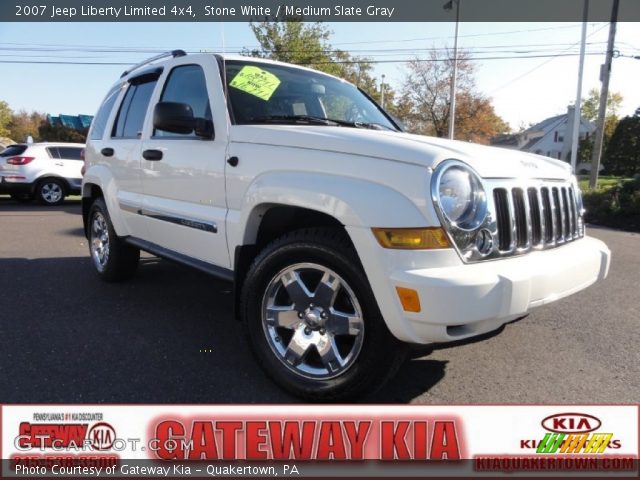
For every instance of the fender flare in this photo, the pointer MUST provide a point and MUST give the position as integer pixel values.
(351, 201)
(102, 177)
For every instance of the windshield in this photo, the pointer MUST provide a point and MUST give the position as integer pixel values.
(265, 93)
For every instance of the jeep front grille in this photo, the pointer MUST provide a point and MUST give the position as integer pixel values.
(536, 216)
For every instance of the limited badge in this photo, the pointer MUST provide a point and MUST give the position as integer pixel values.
(255, 81)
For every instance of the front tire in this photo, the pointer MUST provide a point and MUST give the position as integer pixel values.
(313, 321)
(51, 191)
(113, 258)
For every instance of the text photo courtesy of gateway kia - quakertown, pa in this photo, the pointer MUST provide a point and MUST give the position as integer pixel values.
(323, 238)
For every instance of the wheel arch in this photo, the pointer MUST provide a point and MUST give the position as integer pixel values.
(99, 182)
(278, 203)
(51, 176)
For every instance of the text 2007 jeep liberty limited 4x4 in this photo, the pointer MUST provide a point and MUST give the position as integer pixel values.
(345, 238)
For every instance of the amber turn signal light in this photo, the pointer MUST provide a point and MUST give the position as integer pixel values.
(409, 299)
(427, 238)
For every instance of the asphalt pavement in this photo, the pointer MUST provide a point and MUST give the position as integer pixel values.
(169, 336)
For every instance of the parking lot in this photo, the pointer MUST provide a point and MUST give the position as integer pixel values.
(170, 336)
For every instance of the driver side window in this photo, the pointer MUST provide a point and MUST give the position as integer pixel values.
(186, 84)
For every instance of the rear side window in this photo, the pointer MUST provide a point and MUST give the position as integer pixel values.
(69, 153)
(13, 151)
(100, 120)
(187, 84)
(53, 152)
(133, 110)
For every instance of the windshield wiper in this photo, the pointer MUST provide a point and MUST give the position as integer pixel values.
(370, 125)
(373, 126)
(318, 121)
(293, 118)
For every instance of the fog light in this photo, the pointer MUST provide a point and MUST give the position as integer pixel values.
(484, 241)
(412, 238)
(409, 299)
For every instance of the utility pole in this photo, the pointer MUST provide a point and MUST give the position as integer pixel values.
(452, 94)
(605, 73)
(575, 135)
(382, 91)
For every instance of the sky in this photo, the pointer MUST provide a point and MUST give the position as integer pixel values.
(524, 90)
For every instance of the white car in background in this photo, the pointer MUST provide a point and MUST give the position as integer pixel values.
(47, 172)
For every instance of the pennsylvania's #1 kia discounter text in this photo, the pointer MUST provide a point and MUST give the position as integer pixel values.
(346, 239)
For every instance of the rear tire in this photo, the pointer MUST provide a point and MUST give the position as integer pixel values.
(51, 191)
(312, 320)
(112, 257)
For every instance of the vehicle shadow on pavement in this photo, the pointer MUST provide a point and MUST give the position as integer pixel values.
(73, 232)
(72, 206)
(166, 336)
(415, 377)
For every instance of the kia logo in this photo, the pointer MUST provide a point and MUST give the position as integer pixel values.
(571, 423)
(102, 436)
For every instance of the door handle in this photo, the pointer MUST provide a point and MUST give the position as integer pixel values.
(59, 164)
(152, 155)
(107, 152)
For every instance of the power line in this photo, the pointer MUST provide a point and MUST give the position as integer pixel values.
(543, 64)
(419, 60)
(148, 49)
(540, 47)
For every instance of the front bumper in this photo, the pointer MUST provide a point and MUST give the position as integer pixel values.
(460, 301)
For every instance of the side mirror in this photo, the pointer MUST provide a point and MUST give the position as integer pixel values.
(178, 118)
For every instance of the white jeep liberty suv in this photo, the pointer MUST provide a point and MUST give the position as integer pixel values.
(345, 238)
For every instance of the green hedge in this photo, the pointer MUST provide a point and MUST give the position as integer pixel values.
(615, 203)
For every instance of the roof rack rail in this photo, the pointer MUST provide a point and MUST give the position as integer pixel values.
(172, 53)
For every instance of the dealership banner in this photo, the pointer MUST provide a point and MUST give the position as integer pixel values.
(317, 440)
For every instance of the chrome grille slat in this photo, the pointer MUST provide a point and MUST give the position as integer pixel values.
(558, 220)
(512, 224)
(502, 217)
(533, 207)
(550, 224)
(574, 214)
(543, 220)
(536, 215)
(520, 216)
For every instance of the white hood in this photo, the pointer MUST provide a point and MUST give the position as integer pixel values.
(489, 162)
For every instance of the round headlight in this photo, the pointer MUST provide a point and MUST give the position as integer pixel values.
(461, 198)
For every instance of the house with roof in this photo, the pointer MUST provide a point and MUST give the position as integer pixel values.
(550, 137)
(77, 122)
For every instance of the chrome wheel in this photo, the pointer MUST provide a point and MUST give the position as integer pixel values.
(51, 192)
(313, 321)
(99, 241)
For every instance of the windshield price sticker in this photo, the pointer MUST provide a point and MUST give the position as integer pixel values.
(255, 81)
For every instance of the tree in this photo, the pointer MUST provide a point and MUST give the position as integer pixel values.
(60, 133)
(589, 111)
(5, 118)
(307, 44)
(623, 150)
(476, 119)
(591, 105)
(425, 99)
(24, 124)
